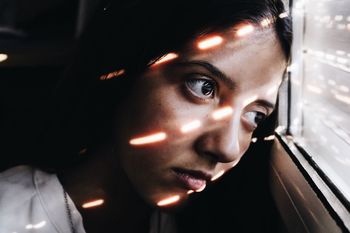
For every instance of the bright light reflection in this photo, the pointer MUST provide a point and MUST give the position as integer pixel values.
(93, 203)
(265, 22)
(191, 126)
(269, 138)
(190, 191)
(36, 226)
(254, 140)
(279, 129)
(222, 113)
(210, 42)
(245, 30)
(3, 57)
(217, 176)
(235, 163)
(283, 15)
(157, 137)
(112, 74)
(167, 57)
(200, 189)
(169, 200)
(343, 98)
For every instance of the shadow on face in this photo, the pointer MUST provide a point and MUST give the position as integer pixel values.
(190, 117)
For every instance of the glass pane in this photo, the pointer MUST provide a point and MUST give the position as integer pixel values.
(326, 97)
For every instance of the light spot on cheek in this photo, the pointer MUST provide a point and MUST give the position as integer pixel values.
(222, 113)
(148, 139)
(188, 127)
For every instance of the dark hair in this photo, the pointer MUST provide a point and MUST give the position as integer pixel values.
(128, 35)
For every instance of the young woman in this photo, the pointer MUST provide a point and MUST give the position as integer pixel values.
(162, 101)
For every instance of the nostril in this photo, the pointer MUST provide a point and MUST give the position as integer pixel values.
(211, 156)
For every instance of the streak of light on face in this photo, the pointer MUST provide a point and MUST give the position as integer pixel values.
(245, 30)
(222, 113)
(218, 175)
(193, 125)
(169, 200)
(200, 189)
(210, 42)
(166, 58)
(92, 204)
(152, 138)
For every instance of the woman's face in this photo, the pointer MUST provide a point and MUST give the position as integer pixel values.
(204, 105)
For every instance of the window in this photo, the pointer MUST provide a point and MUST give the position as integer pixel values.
(318, 113)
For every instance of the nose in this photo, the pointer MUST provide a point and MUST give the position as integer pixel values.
(221, 143)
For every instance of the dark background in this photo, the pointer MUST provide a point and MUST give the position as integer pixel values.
(39, 37)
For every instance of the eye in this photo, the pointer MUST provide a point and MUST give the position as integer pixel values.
(254, 118)
(201, 87)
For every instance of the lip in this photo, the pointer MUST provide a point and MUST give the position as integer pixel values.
(192, 179)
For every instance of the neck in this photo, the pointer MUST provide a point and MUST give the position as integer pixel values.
(100, 176)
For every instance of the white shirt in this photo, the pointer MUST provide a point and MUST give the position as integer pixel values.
(32, 201)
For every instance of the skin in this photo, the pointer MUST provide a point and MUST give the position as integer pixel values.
(164, 98)
(133, 179)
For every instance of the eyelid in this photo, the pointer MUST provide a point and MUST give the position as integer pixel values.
(253, 126)
(203, 76)
(200, 77)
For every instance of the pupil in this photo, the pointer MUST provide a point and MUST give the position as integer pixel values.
(258, 118)
(207, 88)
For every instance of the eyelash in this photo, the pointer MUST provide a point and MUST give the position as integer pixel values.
(190, 84)
(207, 83)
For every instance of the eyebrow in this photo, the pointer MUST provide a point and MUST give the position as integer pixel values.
(212, 69)
(265, 103)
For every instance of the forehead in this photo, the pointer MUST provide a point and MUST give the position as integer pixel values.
(254, 61)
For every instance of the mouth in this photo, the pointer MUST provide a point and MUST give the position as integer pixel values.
(192, 179)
